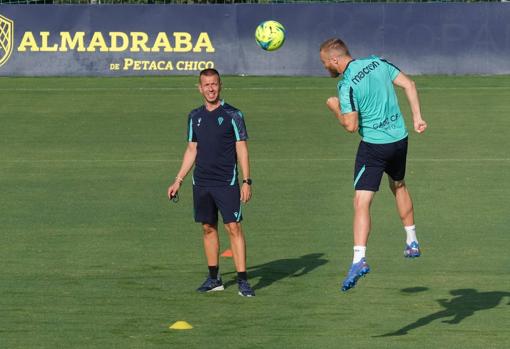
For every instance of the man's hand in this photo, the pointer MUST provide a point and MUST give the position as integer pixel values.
(349, 121)
(245, 193)
(420, 125)
(173, 189)
(334, 105)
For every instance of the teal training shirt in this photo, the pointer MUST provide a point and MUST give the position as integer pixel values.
(367, 87)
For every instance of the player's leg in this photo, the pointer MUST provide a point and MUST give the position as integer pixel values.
(237, 244)
(229, 204)
(361, 228)
(362, 222)
(368, 172)
(211, 247)
(406, 212)
(404, 201)
(396, 172)
(206, 213)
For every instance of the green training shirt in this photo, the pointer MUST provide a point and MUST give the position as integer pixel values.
(367, 87)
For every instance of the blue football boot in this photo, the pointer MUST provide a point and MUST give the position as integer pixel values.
(412, 251)
(357, 270)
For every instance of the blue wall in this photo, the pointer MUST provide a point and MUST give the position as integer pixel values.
(419, 38)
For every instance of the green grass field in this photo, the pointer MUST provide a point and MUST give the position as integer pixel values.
(94, 256)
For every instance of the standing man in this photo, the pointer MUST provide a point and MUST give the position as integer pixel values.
(367, 103)
(216, 142)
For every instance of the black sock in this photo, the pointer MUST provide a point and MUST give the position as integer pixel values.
(213, 272)
(242, 275)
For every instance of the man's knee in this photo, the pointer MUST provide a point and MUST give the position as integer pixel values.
(362, 199)
(395, 185)
(209, 229)
(234, 229)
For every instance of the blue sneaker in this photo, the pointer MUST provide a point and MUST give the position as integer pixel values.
(245, 289)
(211, 285)
(357, 270)
(412, 251)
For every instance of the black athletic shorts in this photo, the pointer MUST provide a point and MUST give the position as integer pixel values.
(208, 200)
(374, 159)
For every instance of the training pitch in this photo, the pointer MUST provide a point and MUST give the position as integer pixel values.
(93, 255)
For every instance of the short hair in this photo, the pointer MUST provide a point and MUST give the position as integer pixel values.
(335, 44)
(209, 72)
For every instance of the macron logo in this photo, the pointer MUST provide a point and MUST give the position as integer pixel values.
(364, 72)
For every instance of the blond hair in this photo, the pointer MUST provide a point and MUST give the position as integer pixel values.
(335, 44)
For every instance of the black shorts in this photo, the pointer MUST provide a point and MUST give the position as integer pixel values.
(374, 159)
(208, 200)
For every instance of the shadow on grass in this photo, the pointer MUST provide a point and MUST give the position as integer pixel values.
(274, 271)
(414, 289)
(465, 303)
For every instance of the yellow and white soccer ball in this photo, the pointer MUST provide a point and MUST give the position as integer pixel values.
(270, 35)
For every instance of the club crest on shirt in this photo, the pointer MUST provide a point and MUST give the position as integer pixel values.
(199, 121)
(220, 121)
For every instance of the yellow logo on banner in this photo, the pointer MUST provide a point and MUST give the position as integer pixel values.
(87, 42)
(115, 42)
(6, 38)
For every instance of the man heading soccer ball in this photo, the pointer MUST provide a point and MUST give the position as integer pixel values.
(367, 103)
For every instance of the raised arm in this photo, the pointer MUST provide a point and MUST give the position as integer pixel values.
(411, 92)
(349, 121)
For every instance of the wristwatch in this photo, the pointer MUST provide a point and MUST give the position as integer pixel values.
(247, 181)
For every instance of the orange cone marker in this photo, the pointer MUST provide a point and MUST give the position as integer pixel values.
(227, 253)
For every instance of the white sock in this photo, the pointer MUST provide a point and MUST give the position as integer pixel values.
(411, 234)
(359, 252)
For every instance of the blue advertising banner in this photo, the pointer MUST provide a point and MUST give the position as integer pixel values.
(116, 40)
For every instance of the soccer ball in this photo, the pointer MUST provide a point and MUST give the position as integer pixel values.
(270, 35)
